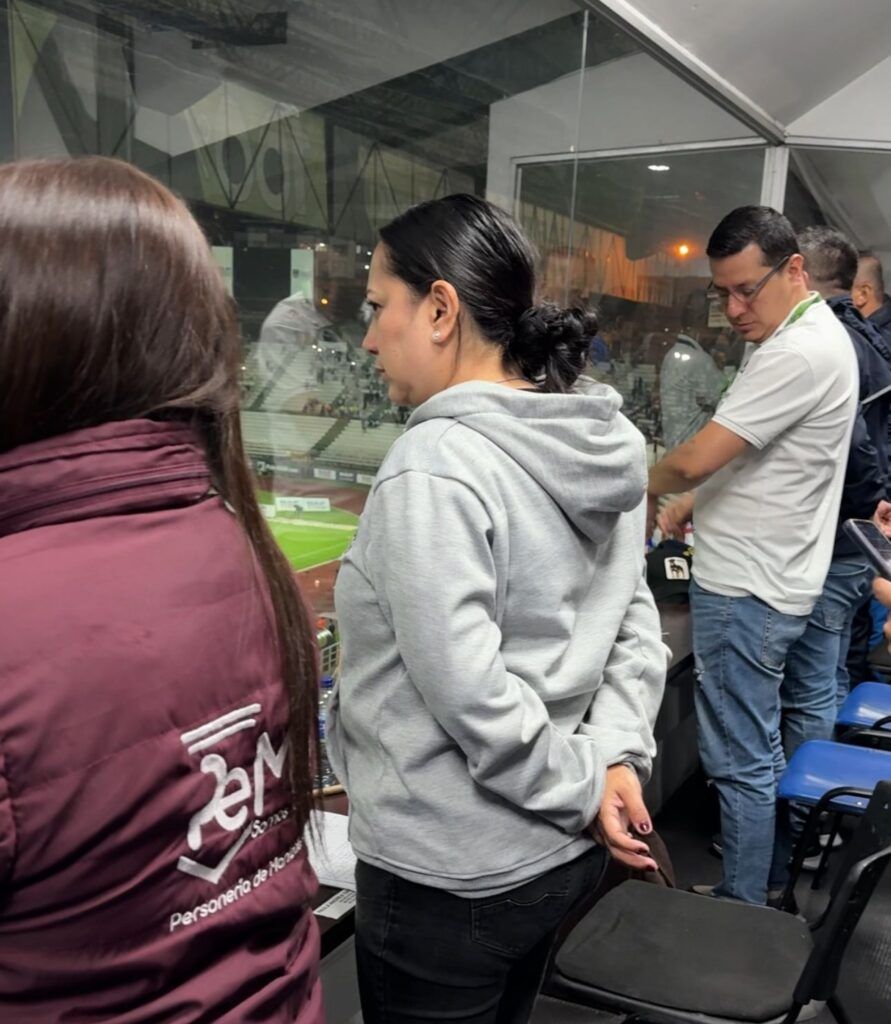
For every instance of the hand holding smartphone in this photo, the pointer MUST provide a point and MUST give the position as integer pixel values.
(872, 542)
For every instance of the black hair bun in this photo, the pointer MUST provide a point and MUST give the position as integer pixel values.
(550, 344)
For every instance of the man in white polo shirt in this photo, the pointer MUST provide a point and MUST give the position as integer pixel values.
(768, 472)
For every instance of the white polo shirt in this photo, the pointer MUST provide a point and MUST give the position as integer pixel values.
(766, 522)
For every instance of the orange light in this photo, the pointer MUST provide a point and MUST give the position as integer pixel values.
(683, 249)
(324, 302)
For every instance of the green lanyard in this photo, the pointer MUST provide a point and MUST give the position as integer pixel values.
(796, 314)
(802, 308)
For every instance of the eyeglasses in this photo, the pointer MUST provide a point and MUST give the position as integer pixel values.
(744, 295)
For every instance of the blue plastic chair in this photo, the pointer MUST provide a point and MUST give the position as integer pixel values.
(819, 768)
(867, 709)
(834, 777)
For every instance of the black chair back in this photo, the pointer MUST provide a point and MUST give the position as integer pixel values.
(859, 873)
(878, 737)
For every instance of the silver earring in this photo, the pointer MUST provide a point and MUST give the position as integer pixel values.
(436, 335)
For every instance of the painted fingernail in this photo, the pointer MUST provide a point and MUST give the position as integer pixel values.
(644, 827)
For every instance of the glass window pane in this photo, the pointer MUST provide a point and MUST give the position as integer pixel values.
(294, 134)
(849, 189)
(638, 256)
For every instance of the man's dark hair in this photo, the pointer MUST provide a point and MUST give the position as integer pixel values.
(763, 225)
(871, 269)
(829, 257)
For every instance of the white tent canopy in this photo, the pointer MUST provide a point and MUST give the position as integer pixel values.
(812, 77)
(788, 59)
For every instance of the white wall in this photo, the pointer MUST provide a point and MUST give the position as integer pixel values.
(632, 101)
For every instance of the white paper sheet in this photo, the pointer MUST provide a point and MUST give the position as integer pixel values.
(340, 903)
(330, 852)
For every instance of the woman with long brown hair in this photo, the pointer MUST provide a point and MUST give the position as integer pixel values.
(157, 667)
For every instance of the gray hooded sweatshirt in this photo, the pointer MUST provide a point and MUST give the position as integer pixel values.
(500, 647)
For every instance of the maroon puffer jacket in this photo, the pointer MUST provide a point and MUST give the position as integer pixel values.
(149, 870)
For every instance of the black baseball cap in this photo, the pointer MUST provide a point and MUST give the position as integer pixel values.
(669, 571)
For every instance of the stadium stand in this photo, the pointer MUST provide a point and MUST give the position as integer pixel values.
(281, 433)
(361, 448)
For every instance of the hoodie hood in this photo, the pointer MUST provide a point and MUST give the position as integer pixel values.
(578, 447)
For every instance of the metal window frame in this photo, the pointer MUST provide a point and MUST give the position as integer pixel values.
(773, 181)
(855, 145)
(773, 175)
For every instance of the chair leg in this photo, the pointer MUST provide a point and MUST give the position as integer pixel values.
(808, 836)
(820, 873)
(837, 1010)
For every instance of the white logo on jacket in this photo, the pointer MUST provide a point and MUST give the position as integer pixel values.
(677, 569)
(237, 803)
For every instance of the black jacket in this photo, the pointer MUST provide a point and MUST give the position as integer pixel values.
(881, 319)
(868, 475)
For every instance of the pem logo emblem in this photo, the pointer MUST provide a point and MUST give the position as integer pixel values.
(677, 569)
(238, 802)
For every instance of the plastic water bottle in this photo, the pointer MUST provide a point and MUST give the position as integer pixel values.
(326, 772)
(327, 648)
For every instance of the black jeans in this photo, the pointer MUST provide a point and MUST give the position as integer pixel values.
(424, 954)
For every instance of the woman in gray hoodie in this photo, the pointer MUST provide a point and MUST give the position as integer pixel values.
(502, 655)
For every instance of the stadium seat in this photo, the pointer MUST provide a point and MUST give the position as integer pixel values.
(663, 956)
(828, 777)
(865, 716)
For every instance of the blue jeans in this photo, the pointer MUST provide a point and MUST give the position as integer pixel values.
(424, 954)
(740, 646)
(816, 679)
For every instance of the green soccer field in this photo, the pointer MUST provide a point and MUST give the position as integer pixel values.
(306, 545)
(309, 539)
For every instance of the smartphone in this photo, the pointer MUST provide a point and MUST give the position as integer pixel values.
(872, 542)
